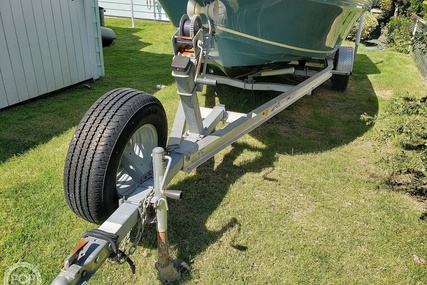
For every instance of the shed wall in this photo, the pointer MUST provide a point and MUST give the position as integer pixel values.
(46, 45)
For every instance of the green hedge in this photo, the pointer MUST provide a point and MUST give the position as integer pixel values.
(369, 25)
(399, 34)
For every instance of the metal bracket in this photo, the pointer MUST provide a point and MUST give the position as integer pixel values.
(90, 254)
(89, 259)
(344, 61)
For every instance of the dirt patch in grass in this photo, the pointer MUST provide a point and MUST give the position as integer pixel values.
(384, 94)
(411, 181)
(406, 130)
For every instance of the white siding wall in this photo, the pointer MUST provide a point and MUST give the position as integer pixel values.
(46, 45)
(143, 9)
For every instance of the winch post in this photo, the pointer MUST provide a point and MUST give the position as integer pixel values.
(187, 44)
(184, 71)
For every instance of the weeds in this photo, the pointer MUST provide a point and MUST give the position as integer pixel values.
(406, 128)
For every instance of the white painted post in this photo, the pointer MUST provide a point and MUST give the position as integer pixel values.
(132, 14)
(358, 35)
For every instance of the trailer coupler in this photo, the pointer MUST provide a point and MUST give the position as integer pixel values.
(88, 256)
(84, 261)
(101, 244)
(117, 254)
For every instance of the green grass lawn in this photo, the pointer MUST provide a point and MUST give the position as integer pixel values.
(300, 200)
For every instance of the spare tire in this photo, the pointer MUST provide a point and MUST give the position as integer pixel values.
(110, 152)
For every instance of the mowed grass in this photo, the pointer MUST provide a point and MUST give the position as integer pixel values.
(300, 200)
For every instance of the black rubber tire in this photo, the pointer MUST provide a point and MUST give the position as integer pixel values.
(97, 147)
(339, 82)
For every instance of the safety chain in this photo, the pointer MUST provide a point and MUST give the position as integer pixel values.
(120, 259)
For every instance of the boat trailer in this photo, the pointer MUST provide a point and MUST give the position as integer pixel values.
(120, 150)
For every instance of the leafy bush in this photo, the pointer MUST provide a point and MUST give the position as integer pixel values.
(404, 7)
(376, 4)
(399, 34)
(369, 25)
(386, 5)
(418, 7)
(420, 41)
(406, 128)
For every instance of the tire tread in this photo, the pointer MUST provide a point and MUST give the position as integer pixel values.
(92, 146)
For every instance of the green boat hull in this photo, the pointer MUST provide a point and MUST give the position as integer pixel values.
(259, 32)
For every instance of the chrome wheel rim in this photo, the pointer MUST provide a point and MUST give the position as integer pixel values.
(136, 164)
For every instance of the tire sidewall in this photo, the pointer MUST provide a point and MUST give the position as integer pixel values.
(150, 114)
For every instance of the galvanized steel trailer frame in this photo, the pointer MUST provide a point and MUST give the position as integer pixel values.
(193, 140)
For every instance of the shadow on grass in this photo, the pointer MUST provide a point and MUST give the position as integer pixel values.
(317, 123)
(27, 125)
